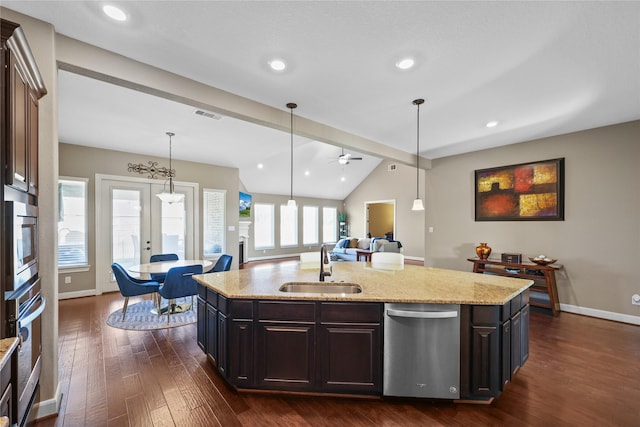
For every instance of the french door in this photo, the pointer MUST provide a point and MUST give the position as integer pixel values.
(132, 224)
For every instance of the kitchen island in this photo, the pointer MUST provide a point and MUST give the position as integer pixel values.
(262, 338)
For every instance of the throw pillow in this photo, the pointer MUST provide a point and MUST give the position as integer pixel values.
(341, 243)
(364, 243)
(353, 243)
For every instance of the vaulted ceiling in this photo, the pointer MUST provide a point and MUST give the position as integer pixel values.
(537, 68)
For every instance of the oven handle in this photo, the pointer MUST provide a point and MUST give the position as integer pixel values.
(31, 317)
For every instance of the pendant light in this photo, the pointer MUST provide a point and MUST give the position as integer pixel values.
(171, 196)
(291, 203)
(417, 203)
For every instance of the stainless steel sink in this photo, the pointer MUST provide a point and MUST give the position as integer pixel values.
(321, 288)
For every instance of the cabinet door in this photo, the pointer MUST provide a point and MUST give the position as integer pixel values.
(212, 332)
(18, 144)
(524, 334)
(222, 344)
(516, 342)
(202, 323)
(506, 352)
(241, 354)
(32, 150)
(350, 358)
(287, 354)
(485, 361)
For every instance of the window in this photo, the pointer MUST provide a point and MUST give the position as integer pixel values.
(72, 222)
(214, 222)
(329, 224)
(288, 226)
(310, 225)
(265, 223)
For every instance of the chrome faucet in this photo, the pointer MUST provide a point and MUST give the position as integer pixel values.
(324, 259)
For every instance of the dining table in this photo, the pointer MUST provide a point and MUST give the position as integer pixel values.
(163, 267)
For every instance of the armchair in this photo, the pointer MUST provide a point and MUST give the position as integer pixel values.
(223, 264)
(178, 284)
(131, 287)
(159, 277)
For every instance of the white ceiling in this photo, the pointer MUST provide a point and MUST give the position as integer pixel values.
(539, 68)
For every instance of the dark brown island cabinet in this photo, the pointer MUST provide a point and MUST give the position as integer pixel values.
(336, 347)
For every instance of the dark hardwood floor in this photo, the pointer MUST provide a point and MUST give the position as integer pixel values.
(581, 372)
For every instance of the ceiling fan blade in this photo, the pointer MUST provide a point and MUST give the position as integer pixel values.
(355, 158)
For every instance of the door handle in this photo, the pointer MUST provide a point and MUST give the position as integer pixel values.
(422, 314)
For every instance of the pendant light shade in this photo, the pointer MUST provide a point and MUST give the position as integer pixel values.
(291, 203)
(417, 203)
(171, 196)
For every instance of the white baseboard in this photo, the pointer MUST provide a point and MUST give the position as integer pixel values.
(608, 315)
(414, 258)
(46, 408)
(77, 294)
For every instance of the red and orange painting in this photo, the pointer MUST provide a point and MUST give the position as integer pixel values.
(528, 191)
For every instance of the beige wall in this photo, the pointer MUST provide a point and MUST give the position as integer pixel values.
(599, 241)
(277, 200)
(400, 186)
(41, 37)
(86, 162)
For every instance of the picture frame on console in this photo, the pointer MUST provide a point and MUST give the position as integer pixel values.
(522, 192)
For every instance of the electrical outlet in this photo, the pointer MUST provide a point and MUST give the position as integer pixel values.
(67, 279)
(635, 299)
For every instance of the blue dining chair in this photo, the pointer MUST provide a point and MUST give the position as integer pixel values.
(131, 287)
(223, 264)
(159, 277)
(178, 284)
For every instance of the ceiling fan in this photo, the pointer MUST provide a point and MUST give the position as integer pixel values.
(344, 159)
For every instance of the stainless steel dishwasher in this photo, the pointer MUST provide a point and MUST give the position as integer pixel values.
(422, 350)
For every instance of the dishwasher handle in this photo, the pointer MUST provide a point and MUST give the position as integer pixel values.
(422, 314)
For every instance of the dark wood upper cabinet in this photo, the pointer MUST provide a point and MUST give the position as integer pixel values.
(22, 87)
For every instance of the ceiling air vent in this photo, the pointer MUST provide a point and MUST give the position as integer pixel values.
(392, 167)
(208, 114)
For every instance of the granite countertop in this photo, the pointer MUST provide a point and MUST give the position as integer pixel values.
(380, 283)
(7, 345)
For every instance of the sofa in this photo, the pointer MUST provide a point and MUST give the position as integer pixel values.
(345, 249)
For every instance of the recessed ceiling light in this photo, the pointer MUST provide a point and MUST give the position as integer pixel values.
(277, 65)
(405, 63)
(492, 124)
(306, 173)
(114, 13)
(260, 165)
(343, 179)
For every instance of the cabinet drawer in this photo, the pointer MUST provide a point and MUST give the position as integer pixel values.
(241, 309)
(331, 312)
(202, 291)
(296, 311)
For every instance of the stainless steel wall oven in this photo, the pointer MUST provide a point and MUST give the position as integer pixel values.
(24, 305)
(22, 240)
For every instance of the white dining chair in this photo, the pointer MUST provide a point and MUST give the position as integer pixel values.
(310, 260)
(387, 260)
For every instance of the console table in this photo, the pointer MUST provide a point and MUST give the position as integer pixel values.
(544, 282)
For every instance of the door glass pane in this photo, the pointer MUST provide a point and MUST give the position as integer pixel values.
(126, 226)
(173, 226)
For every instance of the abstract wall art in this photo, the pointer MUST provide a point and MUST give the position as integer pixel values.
(523, 192)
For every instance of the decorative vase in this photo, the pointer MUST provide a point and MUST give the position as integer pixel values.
(483, 251)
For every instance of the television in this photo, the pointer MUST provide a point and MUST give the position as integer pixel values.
(245, 205)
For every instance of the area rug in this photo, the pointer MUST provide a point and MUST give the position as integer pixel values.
(140, 318)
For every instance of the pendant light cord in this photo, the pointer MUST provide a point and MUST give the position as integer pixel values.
(170, 134)
(417, 102)
(291, 106)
